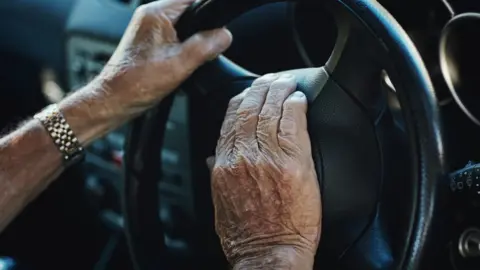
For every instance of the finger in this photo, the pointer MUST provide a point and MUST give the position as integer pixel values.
(172, 9)
(249, 110)
(226, 140)
(293, 124)
(203, 47)
(269, 119)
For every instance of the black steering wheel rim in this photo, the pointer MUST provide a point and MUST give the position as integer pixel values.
(420, 111)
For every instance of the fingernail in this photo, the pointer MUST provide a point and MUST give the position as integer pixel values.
(222, 39)
(298, 94)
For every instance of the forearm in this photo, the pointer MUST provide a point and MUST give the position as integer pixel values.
(93, 112)
(29, 159)
(280, 258)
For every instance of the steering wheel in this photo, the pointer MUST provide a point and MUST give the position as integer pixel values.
(375, 215)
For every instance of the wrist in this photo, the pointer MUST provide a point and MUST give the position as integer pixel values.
(281, 257)
(92, 112)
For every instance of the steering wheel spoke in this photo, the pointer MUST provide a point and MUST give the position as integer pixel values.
(356, 61)
(220, 74)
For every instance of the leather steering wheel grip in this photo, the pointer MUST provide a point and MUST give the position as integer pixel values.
(425, 189)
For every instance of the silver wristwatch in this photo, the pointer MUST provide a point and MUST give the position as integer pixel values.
(61, 134)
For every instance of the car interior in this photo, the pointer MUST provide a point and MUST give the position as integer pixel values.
(393, 119)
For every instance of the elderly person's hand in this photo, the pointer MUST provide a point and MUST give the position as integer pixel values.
(149, 63)
(264, 184)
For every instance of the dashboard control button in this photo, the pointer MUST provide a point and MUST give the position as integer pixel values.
(117, 158)
(469, 243)
(465, 184)
(94, 186)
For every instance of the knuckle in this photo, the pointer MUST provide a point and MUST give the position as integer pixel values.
(247, 112)
(235, 166)
(261, 84)
(269, 112)
(264, 80)
(148, 16)
(264, 137)
(267, 126)
(267, 121)
(275, 99)
(143, 12)
(280, 85)
(235, 100)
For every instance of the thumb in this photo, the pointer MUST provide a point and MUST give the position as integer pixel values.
(210, 163)
(205, 46)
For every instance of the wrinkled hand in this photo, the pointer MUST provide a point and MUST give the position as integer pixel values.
(264, 184)
(150, 62)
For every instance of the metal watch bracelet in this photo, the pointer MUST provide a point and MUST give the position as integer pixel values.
(61, 134)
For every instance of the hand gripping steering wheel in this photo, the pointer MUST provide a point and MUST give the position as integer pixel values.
(375, 215)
